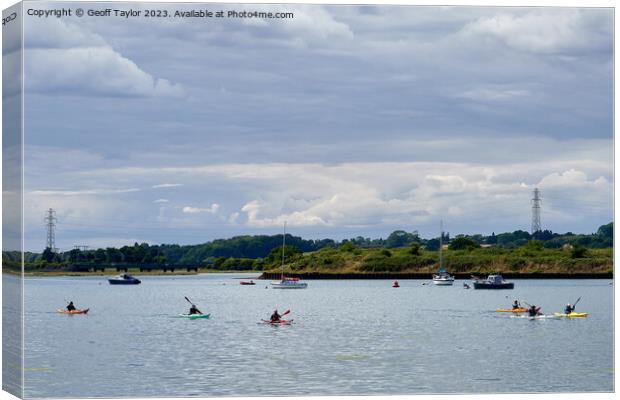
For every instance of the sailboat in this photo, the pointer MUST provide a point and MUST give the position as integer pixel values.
(287, 283)
(442, 277)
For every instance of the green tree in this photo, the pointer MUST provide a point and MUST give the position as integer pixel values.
(400, 239)
(578, 251)
(463, 243)
(414, 249)
(48, 255)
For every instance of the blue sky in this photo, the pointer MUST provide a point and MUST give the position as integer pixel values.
(343, 121)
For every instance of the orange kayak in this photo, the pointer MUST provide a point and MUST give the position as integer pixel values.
(84, 311)
(512, 310)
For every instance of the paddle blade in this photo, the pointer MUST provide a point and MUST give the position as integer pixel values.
(285, 312)
(188, 300)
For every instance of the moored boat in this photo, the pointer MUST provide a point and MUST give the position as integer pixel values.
(124, 279)
(287, 283)
(442, 277)
(493, 282)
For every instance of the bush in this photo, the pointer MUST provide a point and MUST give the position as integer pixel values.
(578, 251)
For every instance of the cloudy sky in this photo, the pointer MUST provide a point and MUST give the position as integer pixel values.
(343, 121)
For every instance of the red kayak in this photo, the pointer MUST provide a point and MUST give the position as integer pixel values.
(247, 283)
(84, 311)
(280, 322)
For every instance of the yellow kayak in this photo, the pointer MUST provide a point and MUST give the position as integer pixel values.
(512, 310)
(572, 315)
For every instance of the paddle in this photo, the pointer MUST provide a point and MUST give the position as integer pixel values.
(575, 304)
(188, 300)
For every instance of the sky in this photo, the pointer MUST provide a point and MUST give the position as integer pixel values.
(344, 121)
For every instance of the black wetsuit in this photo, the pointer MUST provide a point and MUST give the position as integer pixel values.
(275, 317)
(71, 307)
(193, 310)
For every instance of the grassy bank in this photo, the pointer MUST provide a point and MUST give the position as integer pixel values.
(477, 261)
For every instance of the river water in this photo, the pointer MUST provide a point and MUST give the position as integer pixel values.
(348, 338)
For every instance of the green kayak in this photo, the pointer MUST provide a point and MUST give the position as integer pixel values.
(194, 316)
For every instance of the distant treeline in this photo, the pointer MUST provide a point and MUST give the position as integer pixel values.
(262, 251)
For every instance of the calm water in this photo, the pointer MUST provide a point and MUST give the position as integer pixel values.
(349, 337)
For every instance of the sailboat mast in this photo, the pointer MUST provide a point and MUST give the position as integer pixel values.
(440, 245)
(283, 242)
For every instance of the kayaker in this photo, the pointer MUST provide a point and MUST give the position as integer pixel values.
(516, 305)
(569, 309)
(193, 310)
(275, 317)
(533, 311)
(70, 306)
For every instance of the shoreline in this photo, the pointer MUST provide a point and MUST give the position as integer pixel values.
(428, 276)
(131, 272)
(322, 275)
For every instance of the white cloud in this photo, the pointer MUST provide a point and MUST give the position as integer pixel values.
(67, 58)
(166, 185)
(196, 210)
(86, 192)
(99, 71)
(557, 31)
(493, 94)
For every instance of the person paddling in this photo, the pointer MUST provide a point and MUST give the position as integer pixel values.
(569, 309)
(193, 310)
(534, 311)
(516, 305)
(275, 317)
(70, 306)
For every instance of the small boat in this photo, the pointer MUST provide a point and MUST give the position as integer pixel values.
(572, 315)
(465, 286)
(280, 322)
(493, 282)
(442, 277)
(124, 279)
(395, 284)
(84, 311)
(512, 310)
(194, 316)
(247, 283)
(287, 283)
